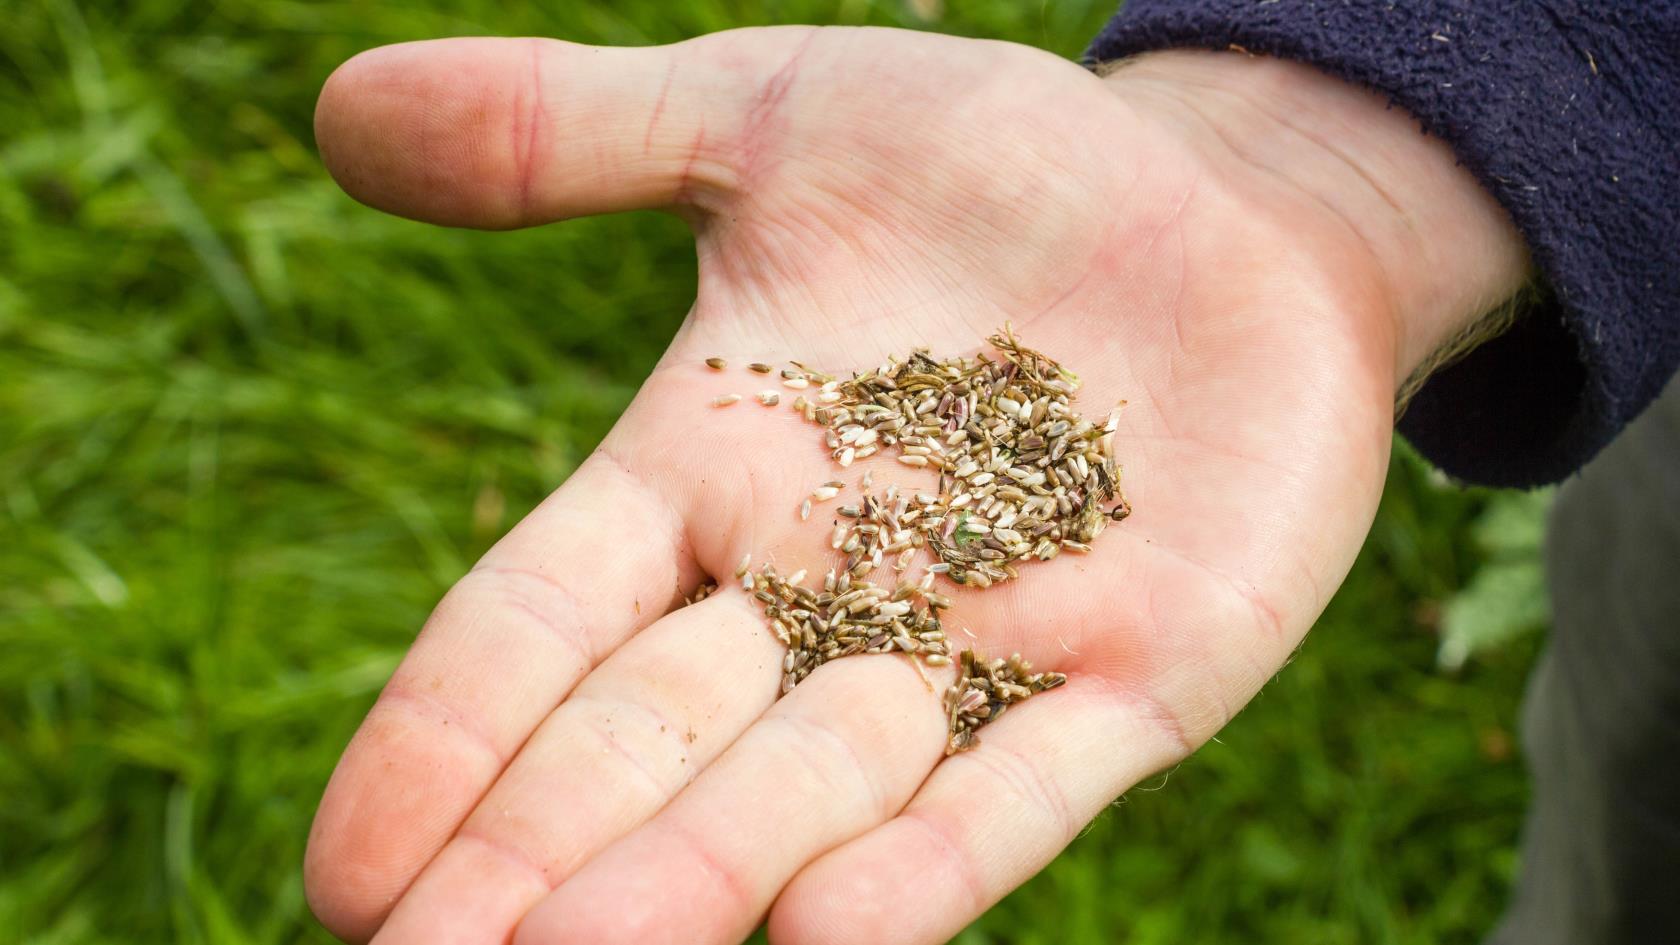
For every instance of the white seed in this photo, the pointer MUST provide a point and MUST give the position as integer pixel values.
(725, 400)
(913, 460)
(797, 383)
(824, 493)
(769, 398)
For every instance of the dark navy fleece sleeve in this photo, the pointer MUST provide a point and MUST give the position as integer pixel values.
(1569, 113)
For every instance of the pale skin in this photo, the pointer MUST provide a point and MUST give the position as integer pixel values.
(1251, 254)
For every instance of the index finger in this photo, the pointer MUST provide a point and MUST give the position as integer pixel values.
(502, 649)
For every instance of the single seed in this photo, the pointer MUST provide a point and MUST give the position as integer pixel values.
(769, 398)
(760, 368)
(716, 364)
(725, 400)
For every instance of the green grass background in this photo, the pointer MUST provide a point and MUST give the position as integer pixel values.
(250, 431)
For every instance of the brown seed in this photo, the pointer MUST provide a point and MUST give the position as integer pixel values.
(716, 364)
(760, 368)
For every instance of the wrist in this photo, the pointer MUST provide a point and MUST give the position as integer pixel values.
(1443, 250)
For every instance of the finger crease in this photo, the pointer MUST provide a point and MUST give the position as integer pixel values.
(1026, 780)
(506, 594)
(528, 122)
(938, 831)
(1151, 710)
(843, 749)
(421, 705)
(598, 722)
(741, 898)
(508, 852)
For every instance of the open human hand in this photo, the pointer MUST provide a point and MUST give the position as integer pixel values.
(1251, 254)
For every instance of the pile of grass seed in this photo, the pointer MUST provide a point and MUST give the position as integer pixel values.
(1019, 477)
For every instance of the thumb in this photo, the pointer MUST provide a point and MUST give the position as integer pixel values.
(500, 133)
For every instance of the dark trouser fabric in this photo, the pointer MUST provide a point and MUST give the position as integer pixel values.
(1601, 720)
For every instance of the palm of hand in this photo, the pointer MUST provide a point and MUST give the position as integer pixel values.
(562, 757)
